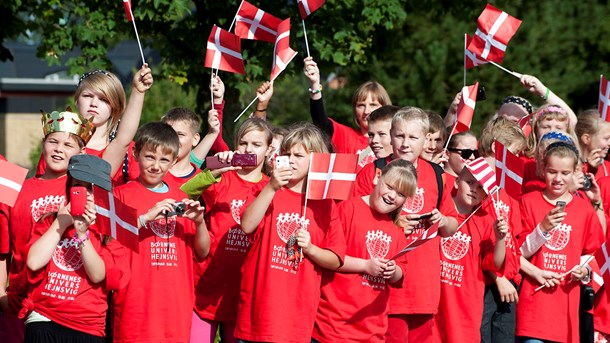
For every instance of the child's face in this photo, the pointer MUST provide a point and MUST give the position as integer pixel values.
(379, 138)
(188, 139)
(363, 109)
(553, 125)
(601, 140)
(93, 106)
(57, 148)
(254, 142)
(407, 140)
(299, 162)
(469, 193)
(558, 174)
(454, 158)
(385, 198)
(433, 145)
(154, 164)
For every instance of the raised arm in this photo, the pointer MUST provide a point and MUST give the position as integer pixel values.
(264, 93)
(115, 152)
(205, 145)
(532, 84)
(316, 105)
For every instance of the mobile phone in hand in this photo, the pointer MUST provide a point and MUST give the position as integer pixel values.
(561, 205)
(244, 160)
(424, 216)
(282, 162)
(78, 200)
(213, 162)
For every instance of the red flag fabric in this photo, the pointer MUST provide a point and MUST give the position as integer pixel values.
(307, 7)
(253, 23)
(604, 98)
(331, 176)
(472, 58)
(459, 127)
(481, 170)
(465, 109)
(128, 12)
(494, 29)
(11, 180)
(509, 170)
(282, 53)
(603, 261)
(597, 281)
(116, 219)
(224, 52)
(524, 124)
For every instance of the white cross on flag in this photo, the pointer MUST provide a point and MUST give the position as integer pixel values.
(472, 58)
(127, 5)
(468, 101)
(603, 261)
(481, 170)
(253, 23)
(494, 29)
(116, 219)
(11, 179)
(597, 281)
(331, 176)
(224, 52)
(509, 171)
(282, 53)
(604, 98)
(307, 7)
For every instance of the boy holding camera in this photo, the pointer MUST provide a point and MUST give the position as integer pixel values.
(153, 307)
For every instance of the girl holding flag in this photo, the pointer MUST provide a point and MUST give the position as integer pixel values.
(280, 290)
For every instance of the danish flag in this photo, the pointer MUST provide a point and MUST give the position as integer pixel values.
(524, 124)
(253, 23)
(11, 179)
(468, 101)
(597, 281)
(459, 127)
(603, 261)
(112, 213)
(224, 52)
(307, 7)
(472, 58)
(282, 53)
(604, 97)
(127, 5)
(509, 170)
(494, 29)
(331, 176)
(481, 170)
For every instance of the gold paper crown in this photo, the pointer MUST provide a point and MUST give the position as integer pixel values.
(67, 122)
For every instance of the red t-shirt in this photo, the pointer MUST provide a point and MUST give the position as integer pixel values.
(62, 291)
(278, 303)
(133, 170)
(347, 140)
(552, 313)
(531, 181)
(465, 255)
(37, 197)
(178, 181)
(157, 305)
(602, 302)
(218, 277)
(354, 307)
(602, 170)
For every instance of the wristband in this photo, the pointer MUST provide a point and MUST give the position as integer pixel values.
(546, 95)
(597, 204)
(315, 91)
(81, 241)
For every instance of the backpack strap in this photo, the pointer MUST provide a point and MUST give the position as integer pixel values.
(438, 171)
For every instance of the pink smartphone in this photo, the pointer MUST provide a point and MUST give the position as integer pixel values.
(78, 200)
(244, 160)
(212, 162)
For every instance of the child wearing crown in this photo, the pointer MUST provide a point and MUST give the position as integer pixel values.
(65, 135)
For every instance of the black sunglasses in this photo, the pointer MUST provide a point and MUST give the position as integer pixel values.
(465, 153)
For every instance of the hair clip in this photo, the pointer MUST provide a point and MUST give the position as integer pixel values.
(93, 72)
(519, 101)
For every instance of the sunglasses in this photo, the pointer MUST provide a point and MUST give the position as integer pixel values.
(465, 153)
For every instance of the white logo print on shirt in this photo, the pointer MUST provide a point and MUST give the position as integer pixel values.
(66, 255)
(161, 230)
(289, 223)
(560, 237)
(455, 246)
(236, 205)
(378, 244)
(46, 204)
(503, 211)
(415, 204)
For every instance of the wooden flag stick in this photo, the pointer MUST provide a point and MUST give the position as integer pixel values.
(245, 109)
(567, 273)
(305, 34)
(235, 17)
(212, 89)
(513, 73)
(135, 29)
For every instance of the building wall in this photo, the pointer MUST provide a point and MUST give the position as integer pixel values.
(20, 133)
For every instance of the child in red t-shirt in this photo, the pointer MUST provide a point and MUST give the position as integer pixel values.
(39, 195)
(225, 191)
(354, 301)
(72, 266)
(435, 139)
(593, 135)
(478, 245)
(380, 123)
(100, 97)
(280, 288)
(570, 228)
(157, 304)
(462, 147)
